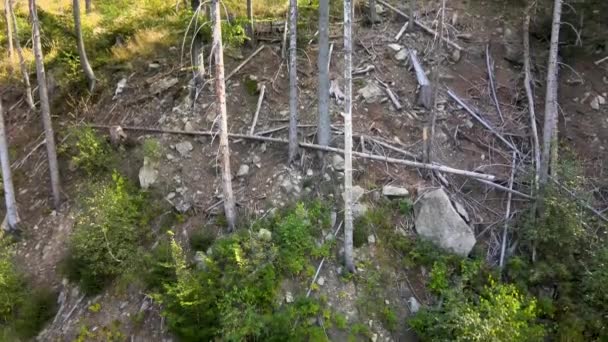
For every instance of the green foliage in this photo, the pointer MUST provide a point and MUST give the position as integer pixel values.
(88, 151)
(152, 149)
(108, 232)
(233, 294)
(439, 281)
(23, 310)
(498, 313)
(202, 239)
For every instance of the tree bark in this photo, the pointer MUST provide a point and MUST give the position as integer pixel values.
(293, 81)
(84, 61)
(220, 92)
(197, 57)
(45, 108)
(250, 24)
(348, 139)
(324, 125)
(530, 96)
(12, 216)
(411, 27)
(9, 29)
(87, 6)
(24, 72)
(372, 12)
(551, 114)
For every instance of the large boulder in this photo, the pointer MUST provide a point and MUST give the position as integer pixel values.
(438, 221)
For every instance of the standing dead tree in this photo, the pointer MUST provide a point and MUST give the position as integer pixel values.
(293, 80)
(197, 57)
(348, 139)
(250, 24)
(84, 60)
(324, 129)
(220, 93)
(24, 72)
(9, 29)
(45, 108)
(12, 216)
(549, 154)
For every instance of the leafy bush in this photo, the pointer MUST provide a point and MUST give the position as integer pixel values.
(108, 231)
(233, 294)
(88, 151)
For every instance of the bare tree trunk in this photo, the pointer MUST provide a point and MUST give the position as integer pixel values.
(530, 96)
(197, 57)
(293, 80)
(220, 93)
(9, 29)
(250, 24)
(411, 26)
(12, 216)
(372, 12)
(324, 125)
(348, 137)
(551, 114)
(45, 108)
(87, 6)
(24, 72)
(84, 61)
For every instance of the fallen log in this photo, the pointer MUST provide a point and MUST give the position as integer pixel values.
(475, 175)
(425, 96)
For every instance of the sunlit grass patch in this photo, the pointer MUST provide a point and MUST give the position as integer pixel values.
(144, 43)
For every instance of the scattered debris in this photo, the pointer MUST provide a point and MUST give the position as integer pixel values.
(438, 221)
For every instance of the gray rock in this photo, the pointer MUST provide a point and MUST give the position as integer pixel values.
(184, 148)
(455, 56)
(461, 210)
(188, 127)
(413, 305)
(394, 191)
(147, 174)
(337, 162)
(359, 209)
(288, 297)
(163, 84)
(264, 235)
(371, 92)
(371, 239)
(597, 101)
(438, 221)
(357, 193)
(182, 206)
(402, 55)
(321, 281)
(243, 170)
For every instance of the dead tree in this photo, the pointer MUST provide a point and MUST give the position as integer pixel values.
(250, 24)
(9, 29)
(348, 139)
(24, 72)
(411, 26)
(531, 106)
(84, 61)
(372, 12)
(45, 108)
(197, 57)
(12, 216)
(220, 93)
(293, 81)
(324, 124)
(549, 155)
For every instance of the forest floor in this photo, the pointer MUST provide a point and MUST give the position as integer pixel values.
(189, 177)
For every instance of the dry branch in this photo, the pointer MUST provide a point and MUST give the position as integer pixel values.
(475, 175)
(257, 109)
(420, 24)
(390, 94)
(425, 97)
(482, 121)
(507, 214)
(402, 31)
(600, 61)
(492, 86)
(245, 62)
(531, 107)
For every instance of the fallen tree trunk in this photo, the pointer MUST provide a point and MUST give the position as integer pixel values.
(438, 167)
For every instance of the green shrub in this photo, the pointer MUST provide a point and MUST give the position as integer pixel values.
(10, 282)
(498, 313)
(108, 232)
(152, 150)
(233, 294)
(88, 151)
(202, 239)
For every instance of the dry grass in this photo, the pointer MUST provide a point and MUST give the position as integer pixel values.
(143, 44)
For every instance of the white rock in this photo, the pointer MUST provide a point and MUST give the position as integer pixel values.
(243, 170)
(309, 173)
(288, 297)
(184, 148)
(395, 47)
(394, 191)
(120, 87)
(264, 235)
(413, 305)
(401, 55)
(337, 162)
(371, 92)
(188, 127)
(371, 239)
(321, 281)
(147, 175)
(595, 103)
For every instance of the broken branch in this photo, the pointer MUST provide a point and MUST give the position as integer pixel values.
(492, 87)
(245, 62)
(425, 96)
(257, 109)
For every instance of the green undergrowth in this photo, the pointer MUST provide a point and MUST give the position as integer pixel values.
(23, 309)
(234, 291)
(88, 151)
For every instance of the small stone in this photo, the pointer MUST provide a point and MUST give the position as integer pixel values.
(184, 148)
(401, 55)
(413, 305)
(394, 191)
(147, 175)
(264, 235)
(337, 162)
(374, 337)
(288, 297)
(256, 159)
(243, 170)
(310, 173)
(371, 239)
(321, 281)
(170, 196)
(395, 47)
(371, 92)
(170, 156)
(601, 100)
(326, 177)
(188, 127)
(387, 302)
(153, 66)
(123, 305)
(455, 56)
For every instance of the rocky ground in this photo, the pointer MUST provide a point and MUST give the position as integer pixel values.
(154, 94)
